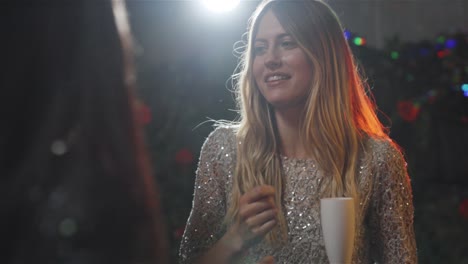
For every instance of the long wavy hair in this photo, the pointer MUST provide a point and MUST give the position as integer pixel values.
(337, 116)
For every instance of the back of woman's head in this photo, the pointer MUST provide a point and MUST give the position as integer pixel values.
(63, 66)
(70, 133)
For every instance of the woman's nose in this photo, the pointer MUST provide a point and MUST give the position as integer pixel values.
(272, 60)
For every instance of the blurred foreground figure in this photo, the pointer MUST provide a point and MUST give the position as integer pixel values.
(75, 184)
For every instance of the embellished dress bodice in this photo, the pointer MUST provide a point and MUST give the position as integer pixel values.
(384, 226)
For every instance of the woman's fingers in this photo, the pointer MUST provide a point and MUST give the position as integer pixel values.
(257, 193)
(264, 229)
(248, 210)
(267, 260)
(257, 200)
(257, 213)
(261, 218)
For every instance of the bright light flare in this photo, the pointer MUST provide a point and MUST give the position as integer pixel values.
(220, 6)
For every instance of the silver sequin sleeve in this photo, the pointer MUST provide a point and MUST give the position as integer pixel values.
(204, 225)
(391, 209)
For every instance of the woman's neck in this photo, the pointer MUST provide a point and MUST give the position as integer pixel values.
(288, 124)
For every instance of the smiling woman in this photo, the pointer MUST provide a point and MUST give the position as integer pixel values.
(307, 131)
(281, 68)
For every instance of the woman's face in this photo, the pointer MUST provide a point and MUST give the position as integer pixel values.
(281, 68)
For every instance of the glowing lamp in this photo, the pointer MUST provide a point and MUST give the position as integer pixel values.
(220, 5)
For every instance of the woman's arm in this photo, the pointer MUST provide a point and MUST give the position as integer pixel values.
(391, 218)
(205, 224)
(205, 239)
(257, 216)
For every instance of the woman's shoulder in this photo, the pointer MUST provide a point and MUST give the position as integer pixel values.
(224, 130)
(221, 139)
(384, 152)
(382, 146)
(223, 134)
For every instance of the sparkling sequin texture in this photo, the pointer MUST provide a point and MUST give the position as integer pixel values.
(385, 226)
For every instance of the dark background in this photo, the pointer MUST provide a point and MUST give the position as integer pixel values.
(416, 60)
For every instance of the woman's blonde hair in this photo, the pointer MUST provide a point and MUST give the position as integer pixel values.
(337, 114)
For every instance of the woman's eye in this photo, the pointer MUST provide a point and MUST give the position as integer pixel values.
(259, 50)
(288, 44)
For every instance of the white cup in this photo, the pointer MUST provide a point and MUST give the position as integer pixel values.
(337, 217)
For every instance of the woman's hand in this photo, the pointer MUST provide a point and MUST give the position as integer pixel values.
(267, 260)
(257, 216)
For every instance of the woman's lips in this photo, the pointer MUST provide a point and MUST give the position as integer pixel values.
(276, 77)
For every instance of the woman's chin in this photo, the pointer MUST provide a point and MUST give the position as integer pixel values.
(282, 105)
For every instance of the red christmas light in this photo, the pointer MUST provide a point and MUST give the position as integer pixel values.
(408, 111)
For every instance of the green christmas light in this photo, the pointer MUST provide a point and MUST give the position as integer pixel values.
(441, 39)
(395, 55)
(359, 41)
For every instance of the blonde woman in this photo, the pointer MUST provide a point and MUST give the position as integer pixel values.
(307, 130)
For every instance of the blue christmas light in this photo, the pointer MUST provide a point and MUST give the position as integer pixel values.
(347, 34)
(464, 87)
(450, 43)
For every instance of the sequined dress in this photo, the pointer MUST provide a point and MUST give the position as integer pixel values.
(385, 231)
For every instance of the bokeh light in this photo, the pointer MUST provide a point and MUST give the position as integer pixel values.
(440, 39)
(347, 34)
(443, 53)
(359, 41)
(450, 43)
(464, 87)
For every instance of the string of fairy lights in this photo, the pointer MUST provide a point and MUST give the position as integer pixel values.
(444, 51)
